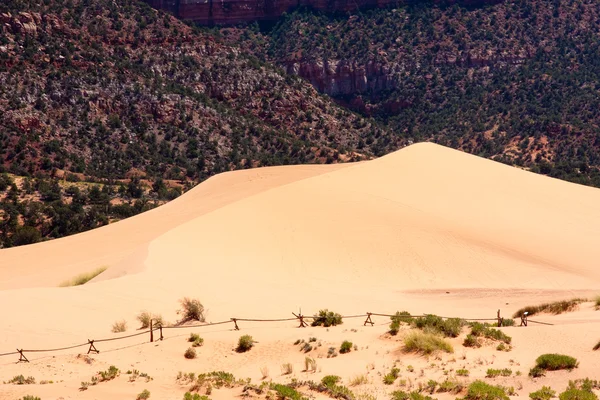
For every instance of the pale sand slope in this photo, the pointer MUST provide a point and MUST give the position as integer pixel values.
(390, 234)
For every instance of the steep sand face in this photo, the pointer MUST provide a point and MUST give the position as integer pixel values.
(365, 236)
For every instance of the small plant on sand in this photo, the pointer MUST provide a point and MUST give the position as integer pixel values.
(196, 340)
(111, 373)
(426, 343)
(190, 353)
(578, 390)
(537, 372)
(21, 380)
(145, 394)
(471, 341)
(508, 322)
(480, 390)
(483, 330)
(545, 393)
(557, 307)
(286, 392)
(194, 396)
(450, 386)
(144, 317)
(359, 380)
(191, 310)
(83, 278)
(245, 343)
(553, 362)
(264, 371)
(401, 395)
(330, 380)
(450, 327)
(397, 319)
(492, 373)
(287, 368)
(462, 372)
(119, 326)
(332, 352)
(310, 364)
(346, 347)
(29, 397)
(391, 376)
(327, 318)
(503, 347)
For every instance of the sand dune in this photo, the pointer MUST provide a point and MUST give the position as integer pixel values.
(394, 233)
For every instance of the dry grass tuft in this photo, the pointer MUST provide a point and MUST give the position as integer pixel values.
(426, 343)
(191, 310)
(557, 307)
(119, 326)
(83, 278)
(287, 368)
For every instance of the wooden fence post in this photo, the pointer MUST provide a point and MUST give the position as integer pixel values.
(92, 347)
(151, 332)
(161, 335)
(22, 357)
(237, 328)
(368, 320)
(500, 320)
(301, 318)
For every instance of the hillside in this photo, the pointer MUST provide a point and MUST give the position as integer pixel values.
(515, 81)
(108, 91)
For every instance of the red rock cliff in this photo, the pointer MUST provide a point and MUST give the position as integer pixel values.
(227, 12)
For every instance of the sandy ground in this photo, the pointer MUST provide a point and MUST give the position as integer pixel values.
(426, 229)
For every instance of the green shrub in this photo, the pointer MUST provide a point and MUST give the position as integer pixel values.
(145, 394)
(480, 390)
(597, 302)
(194, 396)
(391, 377)
(21, 380)
(508, 322)
(537, 372)
(285, 392)
(492, 373)
(462, 372)
(191, 310)
(29, 397)
(451, 386)
(190, 353)
(196, 340)
(346, 347)
(471, 341)
(401, 395)
(327, 318)
(111, 373)
(245, 343)
(397, 319)
(553, 362)
(577, 394)
(450, 327)
(545, 393)
(330, 380)
(503, 347)
(426, 343)
(478, 330)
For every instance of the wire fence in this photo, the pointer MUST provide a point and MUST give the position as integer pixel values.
(297, 317)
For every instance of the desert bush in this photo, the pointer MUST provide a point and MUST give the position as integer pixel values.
(119, 326)
(111, 373)
(144, 318)
(332, 352)
(359, 380)
(401, 395)
(553, 362)
(450, 386)
(503, 347)
(245, 343)
(450, 327)
(285, 392)
(83, 278)
(307, 347)
(330, 380)
(462, 372)
(508, 322)
(537, 372)
(327, 318)
(397, 319)
(480, 390)
(21, 380)
(557, 307)
(194, 396)
(391, 376)
(264, 372)
(478, 329)
(29, 397)
(310, 364)
(191, 310)
(287, 368)
(471, 341)
(492, 373)
(545, 393)
(190, 353)
(346, 347)
(145, 394)
(575, 393)
(426, 343)
(196, 340)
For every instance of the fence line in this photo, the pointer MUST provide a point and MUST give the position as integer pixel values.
(297, 317)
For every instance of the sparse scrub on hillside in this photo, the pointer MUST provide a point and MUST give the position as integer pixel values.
(426, 343)
(471, 341)
(597, 302)
(245, 343)
(327, 318)
(21, 380)
(391, 376)
(503, 347)
(191, 310)
(537, 372)
(462, 372)
(358, 380)
(194, 396)
(286, 392)
(553, 362)
(493, 373)
(557, 307)
(83, 278)
(480, 390)
(450, 386)
(545, 393)
(579, 390)
(450, 327)
(145, 394)
(119, 326)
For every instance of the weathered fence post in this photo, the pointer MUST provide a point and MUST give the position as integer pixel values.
(22, 357)
(368, 320)
(237, 328)
(500, 320)
(301, 318)
(92, 347)
(151, 332)
(161, 335)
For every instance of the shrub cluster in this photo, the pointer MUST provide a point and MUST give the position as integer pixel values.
(245, 343)
(327, 318)
(480, 390)
(426, 343)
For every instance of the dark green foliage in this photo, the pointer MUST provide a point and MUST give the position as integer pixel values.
(401, 395)
(484, 330)
(471, 341)
(580, 390)
(553, 362)
(330, 380)
(191, 310)
(21, 380)
(194, 396)
(545, 393)
(397, 319)
(391, 377)
(245, 343)
(450, 327)
(492, 372)
(480, 390)
(190, 353)
(537, 372)
(327, 318)
(285, 392)
(346, 347)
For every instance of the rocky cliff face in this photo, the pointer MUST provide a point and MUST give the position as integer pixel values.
(227, 12)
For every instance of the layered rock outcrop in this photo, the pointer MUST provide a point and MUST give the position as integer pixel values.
(226, 12)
